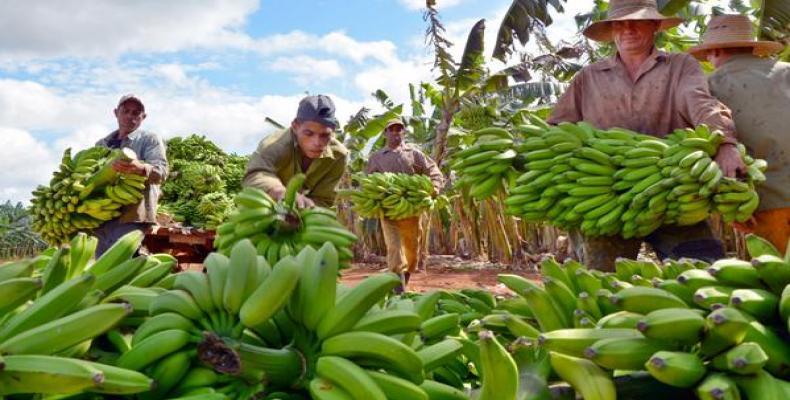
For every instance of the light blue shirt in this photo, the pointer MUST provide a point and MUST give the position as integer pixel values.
(150, 149)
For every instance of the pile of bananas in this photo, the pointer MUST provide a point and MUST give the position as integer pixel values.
(58, 310)
(245, 328)
(608, 182)
(84, 193)
(718, 329)
(395, 196)
(279, 229)
(485, 166)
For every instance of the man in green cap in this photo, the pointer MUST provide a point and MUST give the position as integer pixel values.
(308, 147)
(757, 89)
(404, 237)
(649, 91)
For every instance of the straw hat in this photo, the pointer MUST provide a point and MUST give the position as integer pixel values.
(729, 31)
(625, 10)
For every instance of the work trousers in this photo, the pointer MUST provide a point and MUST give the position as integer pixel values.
(403, 238)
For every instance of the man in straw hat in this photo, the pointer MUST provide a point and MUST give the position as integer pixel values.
(652, 92)
(757, 89)
(404, 237)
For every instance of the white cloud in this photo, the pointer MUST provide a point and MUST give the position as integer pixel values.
(25, 162)
(307, 69)
(177, 103)
(420, 4)
(335, 43)
(102, 28)
(394, 78)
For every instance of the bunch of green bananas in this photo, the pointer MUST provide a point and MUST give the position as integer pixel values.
(84, 193)
(59, 307)
(615, 181)
(719, 329)
(392, 195)
(486, 164)
(245, 328)
(279, 229)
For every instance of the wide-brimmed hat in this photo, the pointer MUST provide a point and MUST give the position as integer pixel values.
(628, 10)
(732, 31)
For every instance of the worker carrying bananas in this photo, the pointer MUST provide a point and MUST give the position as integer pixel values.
(649, 91)
(151, 163)
(757, 90)
(308, 147)
(404, 238)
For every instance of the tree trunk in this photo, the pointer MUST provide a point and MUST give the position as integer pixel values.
(440, 142)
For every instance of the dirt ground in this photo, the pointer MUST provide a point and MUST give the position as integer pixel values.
(442, 272)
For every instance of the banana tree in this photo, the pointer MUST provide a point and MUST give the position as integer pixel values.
(17, 238)
(775, 23)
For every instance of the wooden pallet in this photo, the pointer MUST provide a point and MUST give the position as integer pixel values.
(188, 245)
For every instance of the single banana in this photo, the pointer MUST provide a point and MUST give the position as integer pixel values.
(46, 375)
(586, 378)
(676, 368)
(272, 294)
(67, 331)
(351, 307)
(383, 351)
(499, 371)
(154, 348)
(159, 323)
(349, 377)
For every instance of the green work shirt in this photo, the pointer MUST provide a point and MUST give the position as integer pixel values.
(278, 158)
(757, 90)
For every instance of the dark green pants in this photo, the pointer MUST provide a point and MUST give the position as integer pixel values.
(696, 241)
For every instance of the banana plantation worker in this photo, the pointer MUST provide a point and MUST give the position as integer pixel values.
(309, 147)
(757, 90)
(404, 237)
(652, 92)
(151, 162)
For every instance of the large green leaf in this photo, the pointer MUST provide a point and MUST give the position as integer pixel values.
(529, 91)
(417, 96)
(520, 18)
(775, 20)
(471, 68)
(376, 124)
(672, 7)
(357, 121)
(384, 99)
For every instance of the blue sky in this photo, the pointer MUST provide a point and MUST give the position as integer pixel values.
(214, 67)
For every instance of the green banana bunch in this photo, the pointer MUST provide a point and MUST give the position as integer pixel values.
(287, 329)
(81, 304)
(84, 193)
(279, 229)
(486, 165)
(393, 195)
(619, 182)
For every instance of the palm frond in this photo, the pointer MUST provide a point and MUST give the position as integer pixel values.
(520, 19)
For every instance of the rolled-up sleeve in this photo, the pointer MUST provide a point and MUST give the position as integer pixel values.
(156, 167)
(427, 166)
(697, 104)
(325, 191)
(569, 105)
(261, 170)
